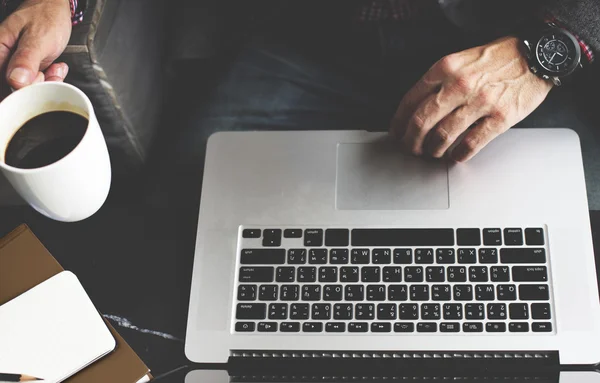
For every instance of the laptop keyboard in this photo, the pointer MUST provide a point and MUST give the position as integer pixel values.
(411, 281)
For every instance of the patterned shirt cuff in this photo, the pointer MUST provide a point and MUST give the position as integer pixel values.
(586, 50)
(77, 7)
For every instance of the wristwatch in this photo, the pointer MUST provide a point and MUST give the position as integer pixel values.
(553, 53)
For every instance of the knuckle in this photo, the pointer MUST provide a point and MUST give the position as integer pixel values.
(418, 121)
(449, 64)
(465, 84)
(486, 97)
(471, 144)
(441, 135)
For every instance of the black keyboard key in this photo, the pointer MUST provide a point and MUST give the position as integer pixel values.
(541, 327)
(338, 256)
(472, 327)
(534, 237)
(506, 292)
(457, 274)
(292, 233)
(251, 311)
(403, 256)
(360, 256)
(307, 274)
(267, 293)
(453, 311)
(478, 274)
(468, 237)
(317, 256)
(333, 292)
(296, 256)
(381, 256)
(386, 311)
(392, 274)
(513, 237)
(246, 293)
(342, 311)
(540, 311)
(337, 237)
(518, 327)
(435, 274)
(311, 292)
(376, 292)
(267, 326)
(290, 292)
(430, 311)
(413, 274)
(312, 327)
(271, 237)
(245, 326)
(404, 327)
(328, 274)
(335, 327)
(518, 311)
(402, 237)
(313, 237)
(354, 293)
(423, 256)
(349, 274)
(492, 237)
(463, 292)
(358, 327)
(523, 255)
(289, 327)
(426, 327)
(474, 311)
(364, 311)
(484, 292)
(257, 274)
(534, 293)
(445, 256)
(381, 327)
(450, 327)
(529, 273)
(441, 293)
(499, 274)
(321, 311)
(408, 311)
(299, 311)
(495, 327)
(496, 311)
(397, 293)
(419, 292)
(285, 274)
(370, 274)
(251, 233)
(278, 311)
(488, 255)
(467, 255)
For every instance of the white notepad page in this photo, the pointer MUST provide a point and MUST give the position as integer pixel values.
(52, 331)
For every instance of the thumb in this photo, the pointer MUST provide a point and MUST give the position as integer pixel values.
(25, 62)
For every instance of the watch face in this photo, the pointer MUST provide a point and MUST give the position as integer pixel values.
(557, 52)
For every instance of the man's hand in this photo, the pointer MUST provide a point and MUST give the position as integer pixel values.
(490, 88)
(31, 38)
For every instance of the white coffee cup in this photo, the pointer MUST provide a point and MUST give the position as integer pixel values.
(74, 187)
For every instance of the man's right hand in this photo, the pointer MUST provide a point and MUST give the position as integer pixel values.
(31, 38)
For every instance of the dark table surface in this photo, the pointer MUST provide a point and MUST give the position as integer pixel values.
(135, 262)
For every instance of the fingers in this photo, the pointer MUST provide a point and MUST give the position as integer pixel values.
(39, 78)
(477, 139)
(26, 61)
(56, 72)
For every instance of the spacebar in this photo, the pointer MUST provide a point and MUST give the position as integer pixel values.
(403, 237)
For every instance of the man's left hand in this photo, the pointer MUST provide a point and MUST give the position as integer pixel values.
(489, 88)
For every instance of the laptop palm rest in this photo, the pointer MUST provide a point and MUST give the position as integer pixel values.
(380, 176)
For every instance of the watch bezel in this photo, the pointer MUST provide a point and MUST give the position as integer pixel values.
(571, 68)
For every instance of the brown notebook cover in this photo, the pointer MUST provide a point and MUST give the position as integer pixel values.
(25, 263)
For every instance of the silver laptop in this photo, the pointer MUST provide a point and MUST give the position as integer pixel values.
(335, 244)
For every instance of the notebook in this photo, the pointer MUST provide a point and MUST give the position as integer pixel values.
(52, 331)
(19, 250)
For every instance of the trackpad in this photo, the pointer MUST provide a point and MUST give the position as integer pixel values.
(379, 176)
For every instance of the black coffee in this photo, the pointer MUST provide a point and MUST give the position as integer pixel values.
(45, 139)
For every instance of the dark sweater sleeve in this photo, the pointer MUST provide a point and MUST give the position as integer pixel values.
(580, 16)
